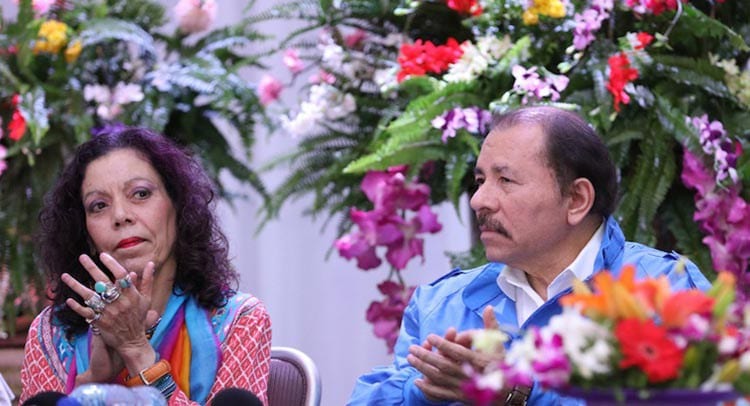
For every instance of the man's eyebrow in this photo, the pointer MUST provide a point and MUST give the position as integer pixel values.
(496, 169)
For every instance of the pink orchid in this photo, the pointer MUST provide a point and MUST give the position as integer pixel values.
(291, 61)
(389, 190)
(3, 164)
(355, 39)
(195, 15)
(322, 77)
(269, 89)
(386, 315)
(355, 246)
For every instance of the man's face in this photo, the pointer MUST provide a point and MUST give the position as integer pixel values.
(521, 212)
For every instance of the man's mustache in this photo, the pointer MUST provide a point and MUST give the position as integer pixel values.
(486, 222)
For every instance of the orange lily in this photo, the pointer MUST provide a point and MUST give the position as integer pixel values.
(619, 299)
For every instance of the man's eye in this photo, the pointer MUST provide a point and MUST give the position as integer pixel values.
(503, 179)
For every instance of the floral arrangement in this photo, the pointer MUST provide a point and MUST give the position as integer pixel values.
(69, 69)
(628, 334)
(411, 84)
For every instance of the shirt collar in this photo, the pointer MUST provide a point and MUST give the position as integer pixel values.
(513, 281)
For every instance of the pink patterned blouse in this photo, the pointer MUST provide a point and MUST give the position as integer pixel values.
(246, 352)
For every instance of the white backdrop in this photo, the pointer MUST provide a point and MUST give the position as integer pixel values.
(316, 305)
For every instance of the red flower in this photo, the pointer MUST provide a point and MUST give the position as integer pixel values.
(17, 125)
(646, 346)
(620, 73)
(465, 6)
(659, 6)
(644, 39)
(424, 57)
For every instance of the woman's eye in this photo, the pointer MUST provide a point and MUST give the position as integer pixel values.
(142, 193)
(96, 206)
(503, 179)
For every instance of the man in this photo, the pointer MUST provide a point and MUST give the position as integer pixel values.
(546, 190)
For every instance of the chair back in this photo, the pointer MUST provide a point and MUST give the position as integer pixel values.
(294, 379)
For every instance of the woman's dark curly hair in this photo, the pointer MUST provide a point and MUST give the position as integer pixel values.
(201, 249)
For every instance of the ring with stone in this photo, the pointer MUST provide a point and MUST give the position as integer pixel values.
(93, 319)
(108, 291)
(96, 303)
(125, 282)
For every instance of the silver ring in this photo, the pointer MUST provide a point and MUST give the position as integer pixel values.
(96, 303)
(111, 294)
(125, 282)
(95, 330)
(96, 317)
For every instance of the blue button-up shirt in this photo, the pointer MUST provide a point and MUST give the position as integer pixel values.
(458, 298)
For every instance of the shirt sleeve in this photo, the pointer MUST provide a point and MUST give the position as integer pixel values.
(37, 374)
(246, 358)
(394, 384)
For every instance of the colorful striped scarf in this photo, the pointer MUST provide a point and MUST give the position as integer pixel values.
(184, 337)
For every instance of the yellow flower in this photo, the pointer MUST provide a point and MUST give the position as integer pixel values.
(530, 17)
(556, 10)
(73, 50)
(52, 36)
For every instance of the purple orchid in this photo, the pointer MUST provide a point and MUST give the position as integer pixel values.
(473, 119)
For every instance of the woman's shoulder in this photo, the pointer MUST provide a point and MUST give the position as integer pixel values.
(240, 308)
(244, 302)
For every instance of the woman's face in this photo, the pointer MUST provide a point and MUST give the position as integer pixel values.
(128, 211)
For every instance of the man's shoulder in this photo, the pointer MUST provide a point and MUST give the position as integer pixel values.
(457, 276)
(451, 283)
(637, 252)
(680, 270)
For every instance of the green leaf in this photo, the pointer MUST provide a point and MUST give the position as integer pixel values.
(673, 122)
(108, 29)
(702, 25)
(691, 77)
(413, 155)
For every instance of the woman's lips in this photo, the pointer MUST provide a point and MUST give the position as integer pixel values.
(129, 242)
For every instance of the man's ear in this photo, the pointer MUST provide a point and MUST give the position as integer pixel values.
(580, 199)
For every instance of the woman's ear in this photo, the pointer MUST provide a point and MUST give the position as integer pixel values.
(581, 197)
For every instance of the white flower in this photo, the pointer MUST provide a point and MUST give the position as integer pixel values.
(125, 93)
(585, 342)
(494, 380)
(489, 341)
(159, 78)
(110, 101)
(467, 68)
(333, 55)
(97, 93)
(493, 47)
(195, 15)
(745, 361)
(385, 79)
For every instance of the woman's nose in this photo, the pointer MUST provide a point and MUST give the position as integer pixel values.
(122, 214)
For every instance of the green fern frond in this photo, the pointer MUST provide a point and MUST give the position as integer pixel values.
(693, 78)
(702, 25)
(673, 122)
(457, 166)
(103, 30)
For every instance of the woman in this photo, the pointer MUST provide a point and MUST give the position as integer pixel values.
(140, 279)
